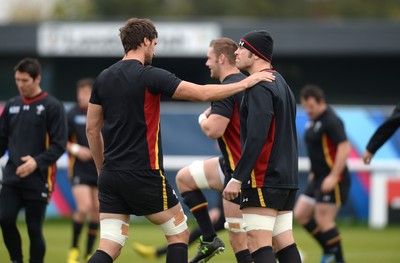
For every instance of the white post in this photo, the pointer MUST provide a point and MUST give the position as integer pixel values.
(378, 207)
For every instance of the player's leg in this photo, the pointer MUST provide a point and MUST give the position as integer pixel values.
(93, 226)
(328, 205)
(200, 175)
(236, 232)
(81, 194)
(113, 234)
(282, 235)
(34, 214)
(10, 205)
(304, 213)
(259, 223)
(173, 223)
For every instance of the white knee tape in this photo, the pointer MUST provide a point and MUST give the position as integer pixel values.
(197, 172)
(175, 225)
(114, 229)
(283, 223)
(258, 222)
(234, 224)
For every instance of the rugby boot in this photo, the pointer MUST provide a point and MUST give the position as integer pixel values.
(207, 250)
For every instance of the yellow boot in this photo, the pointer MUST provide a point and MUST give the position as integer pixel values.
(145, 251)
(73, 255)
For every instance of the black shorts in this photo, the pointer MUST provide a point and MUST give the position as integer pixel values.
(228, 176)
(275, 198)
(135, 192)
(86, 179)
(338, 196)
(8, 192)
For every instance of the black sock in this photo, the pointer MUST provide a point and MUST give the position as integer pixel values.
(177, 253)
(289, 254)
(198, 205)
(100, 257)
(264, 255)
(77, 229)
(243, 256)
(92, 234)
(161, 251)
(333, 244)
(315, 232)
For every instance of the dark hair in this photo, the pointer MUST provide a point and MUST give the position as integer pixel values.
(134, 31)
(84, 82)
(30, 66)
(225, 46)
(314, 91)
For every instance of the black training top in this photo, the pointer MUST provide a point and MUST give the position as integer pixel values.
(129, 94)
(35, 127)
(322, 137)
(229, 143)
(385, 131)
(77, 134)
(268, 134)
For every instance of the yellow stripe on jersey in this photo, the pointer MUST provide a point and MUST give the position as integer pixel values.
(164, 192)
(157, 165)
(261, 197)
(325, 148)
(228, 151)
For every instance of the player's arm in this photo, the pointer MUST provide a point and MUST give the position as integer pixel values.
(382, 134)
(213, 125)
(211, 92)
(342, 154)
(94, 124)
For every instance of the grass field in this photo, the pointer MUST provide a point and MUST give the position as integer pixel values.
(361, 244)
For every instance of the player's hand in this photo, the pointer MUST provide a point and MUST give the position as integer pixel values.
(253, 79)
(28, 167)
(329, 183)
(84, 154)
(231, 190)
(367, 156)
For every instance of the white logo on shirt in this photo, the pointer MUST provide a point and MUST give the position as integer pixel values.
(317, 126)
(14, 109)
(25, 107)
(245, 199)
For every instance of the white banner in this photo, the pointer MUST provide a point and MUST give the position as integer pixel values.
(101, 39)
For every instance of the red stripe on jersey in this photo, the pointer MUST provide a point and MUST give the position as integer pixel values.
(152, 118)
(231, 138)
(262, 163)
(31, 100)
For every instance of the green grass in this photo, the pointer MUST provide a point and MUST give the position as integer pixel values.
(360, 243)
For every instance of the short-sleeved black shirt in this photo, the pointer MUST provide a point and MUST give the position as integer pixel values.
(322, 137)
(129, 94)
(229, 143)
(77, 134)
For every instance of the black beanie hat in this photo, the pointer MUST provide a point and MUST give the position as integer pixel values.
(258, 42)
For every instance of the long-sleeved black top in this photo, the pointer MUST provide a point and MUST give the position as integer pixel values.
(269, 139)
(35, 127)
(384, 131)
